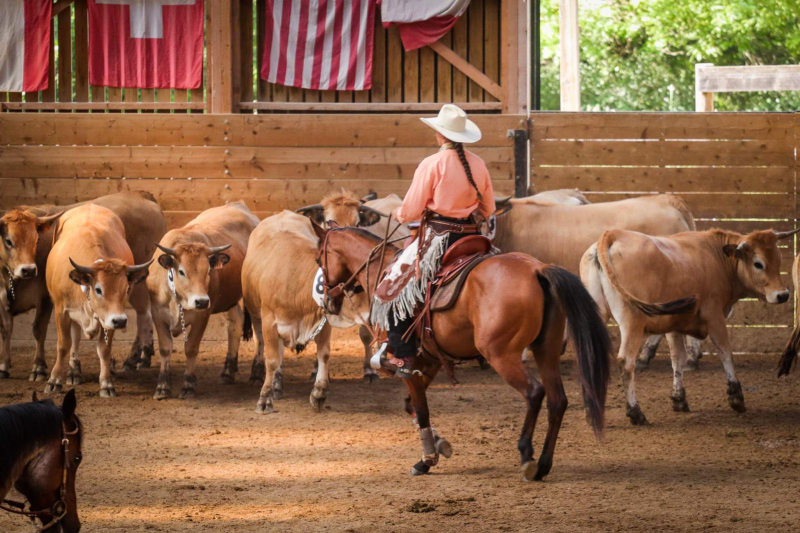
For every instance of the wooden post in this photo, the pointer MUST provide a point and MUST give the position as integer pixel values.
(703, 101)
(570, 57)
(514, 55)
(222, 71)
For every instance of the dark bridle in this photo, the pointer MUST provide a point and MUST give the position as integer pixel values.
(59, 509)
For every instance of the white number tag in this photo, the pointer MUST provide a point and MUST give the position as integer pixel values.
(491, 227)
(171, 280)
(317, 289)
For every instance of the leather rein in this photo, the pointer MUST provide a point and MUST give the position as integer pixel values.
(59, 509)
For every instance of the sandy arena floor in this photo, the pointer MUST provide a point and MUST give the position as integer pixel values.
(213, 464)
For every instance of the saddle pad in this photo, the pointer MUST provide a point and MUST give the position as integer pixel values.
(446, 295)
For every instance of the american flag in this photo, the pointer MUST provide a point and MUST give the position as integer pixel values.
(319, 44)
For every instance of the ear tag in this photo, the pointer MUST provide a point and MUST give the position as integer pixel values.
(492, 227)
(85, 290)
(317, 289)
(171, 280)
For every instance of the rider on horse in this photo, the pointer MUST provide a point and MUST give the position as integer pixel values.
(450, 194)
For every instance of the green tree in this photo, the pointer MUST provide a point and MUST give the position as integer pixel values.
(640, 54)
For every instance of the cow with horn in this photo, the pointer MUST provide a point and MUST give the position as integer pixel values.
(90, 276)
(684, 284)
(200, 275)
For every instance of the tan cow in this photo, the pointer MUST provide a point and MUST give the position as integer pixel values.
(277, 280)
(200, 276)
(27, 230)
(90, 275)
(700, 276)
(557, 196)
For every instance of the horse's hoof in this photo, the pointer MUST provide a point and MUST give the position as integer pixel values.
(528, 470)
(264, 407)
(227, 379)
(52, 388)
(371, 378)
(108, 392)
(543, 469)
(735, 396)
(162, 393)
(444, 448)
(679, 403)
(4, 374)
(420, 469)
(636, 415)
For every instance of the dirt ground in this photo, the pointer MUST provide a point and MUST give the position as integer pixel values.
(213, 464)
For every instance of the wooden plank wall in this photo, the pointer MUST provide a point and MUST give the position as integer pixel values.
(737, 171)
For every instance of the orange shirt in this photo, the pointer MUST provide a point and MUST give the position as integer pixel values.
(441, 185)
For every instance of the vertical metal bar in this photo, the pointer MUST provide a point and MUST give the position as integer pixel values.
(536, 55)
(520, 138)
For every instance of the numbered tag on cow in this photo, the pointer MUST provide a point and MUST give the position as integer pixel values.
(490, 227)
(171, 280)
(317, 290)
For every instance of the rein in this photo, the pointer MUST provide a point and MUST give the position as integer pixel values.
(59, 509)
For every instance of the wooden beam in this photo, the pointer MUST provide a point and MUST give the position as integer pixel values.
(221, 37)
(362, 107)
(469, 70)
(60, 6)
(745, 79)
(97, 106)
(570, 56)
(703, 100)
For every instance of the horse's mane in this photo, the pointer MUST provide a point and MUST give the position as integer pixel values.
(26, 426)
(362, 232)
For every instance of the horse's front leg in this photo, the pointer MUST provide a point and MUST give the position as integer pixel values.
(443, 445)
(417, 406)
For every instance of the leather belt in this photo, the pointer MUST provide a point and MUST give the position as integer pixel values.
(441, 226)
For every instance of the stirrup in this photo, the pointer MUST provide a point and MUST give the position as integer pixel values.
(376, 360)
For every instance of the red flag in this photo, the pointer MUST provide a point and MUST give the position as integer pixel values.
(319, 44)
(24, 44)
(146, 43)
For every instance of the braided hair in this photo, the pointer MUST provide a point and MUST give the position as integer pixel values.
(459, 148)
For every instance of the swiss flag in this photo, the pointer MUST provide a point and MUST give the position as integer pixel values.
(153, 44)
(24, 44)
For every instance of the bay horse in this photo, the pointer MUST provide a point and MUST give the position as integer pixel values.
(40, 451)
(508, 302)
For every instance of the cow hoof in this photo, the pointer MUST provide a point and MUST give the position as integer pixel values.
(312, 377)
(4, 374)
(483, 363)
(679, 403)
(227, 379)
(371, 378)
(108, 392)
(444, 448)
(146, 357)
(528, 470)
(39, 372)
(642, 365)
(53, 388)
(255, 380)
(636, 415)
(258, 372)
(317, 403)
(74, 377)
(692, 365)
(735, 396)
(187, 392)
(131, 363)
(277, 386)
(264, 406)
(162, 393)
(420, 469)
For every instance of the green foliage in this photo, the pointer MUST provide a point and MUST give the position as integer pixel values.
(633, 51)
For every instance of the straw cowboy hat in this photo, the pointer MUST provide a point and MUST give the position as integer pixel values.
(452, 122)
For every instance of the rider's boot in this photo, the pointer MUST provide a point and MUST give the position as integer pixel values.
(402, 366)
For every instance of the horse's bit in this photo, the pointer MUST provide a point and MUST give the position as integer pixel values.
(59, 509)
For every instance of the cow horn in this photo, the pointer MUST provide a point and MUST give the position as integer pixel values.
(371, 210)
(80, 268)
(784, 234)
(502, 199)
(306, 209)
(218, 249)
(368, 198)
(168, 251)
(137, 268)
(51, 218)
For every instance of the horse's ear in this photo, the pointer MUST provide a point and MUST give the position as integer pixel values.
(68, 405)
(319, 231)
(34, 398)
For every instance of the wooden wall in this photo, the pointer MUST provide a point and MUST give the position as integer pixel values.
(737, 171)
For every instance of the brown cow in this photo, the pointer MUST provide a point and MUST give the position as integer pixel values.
(700, 276)
(90, 275)
(201, 276)
(277, 279)
(28, 229)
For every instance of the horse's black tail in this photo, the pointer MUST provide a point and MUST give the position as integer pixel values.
(590, 336)
(789, 353)
(247, 327)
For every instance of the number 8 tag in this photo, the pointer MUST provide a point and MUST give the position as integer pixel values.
(317, 290)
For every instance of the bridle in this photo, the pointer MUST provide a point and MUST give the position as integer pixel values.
(59, 509)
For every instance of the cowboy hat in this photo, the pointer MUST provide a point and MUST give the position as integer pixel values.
(452, 122)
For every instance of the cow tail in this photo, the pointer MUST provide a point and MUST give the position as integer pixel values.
(590, 336)
(247, 327)
(681, 305)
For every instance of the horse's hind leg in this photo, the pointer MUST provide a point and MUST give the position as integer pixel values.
(547, 356)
